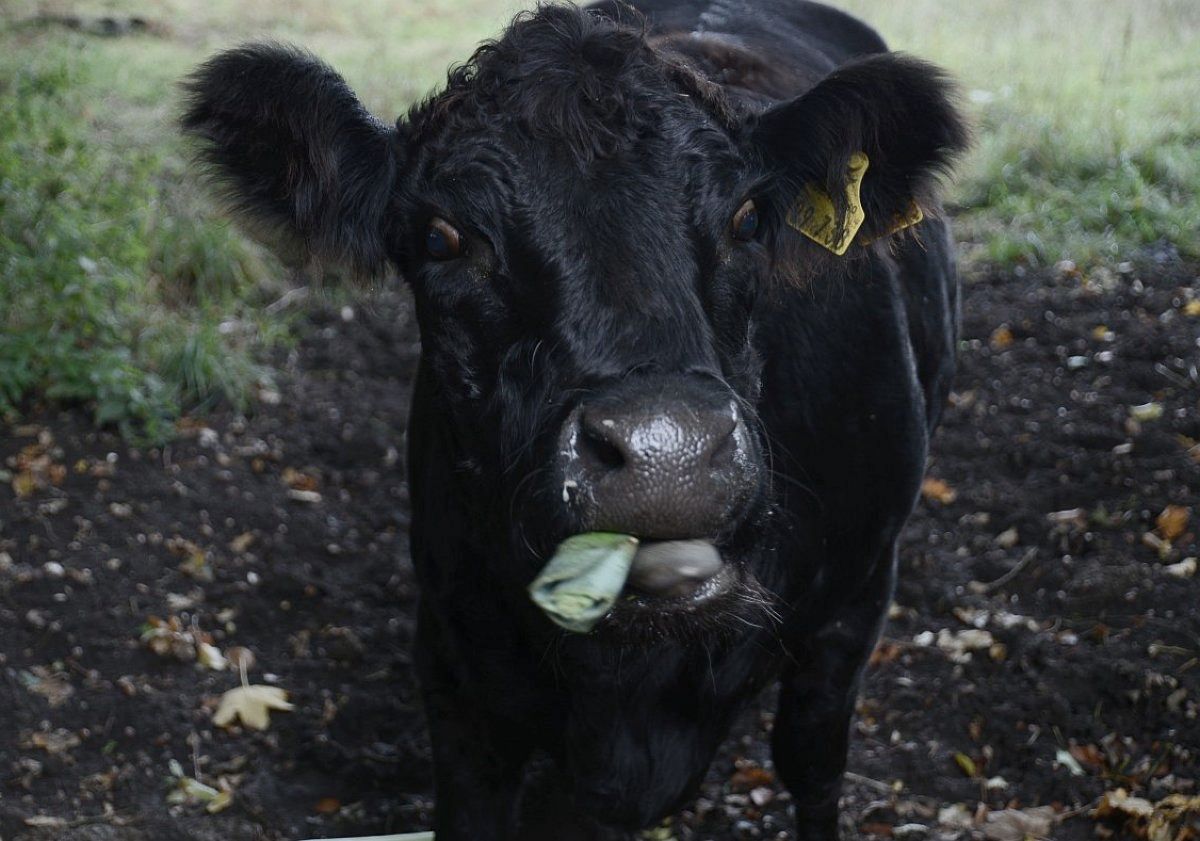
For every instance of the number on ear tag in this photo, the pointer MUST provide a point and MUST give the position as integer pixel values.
(815, 216)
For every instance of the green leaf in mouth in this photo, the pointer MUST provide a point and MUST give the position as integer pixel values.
(581, 583)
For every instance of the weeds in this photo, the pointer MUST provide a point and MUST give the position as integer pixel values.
(105, 299)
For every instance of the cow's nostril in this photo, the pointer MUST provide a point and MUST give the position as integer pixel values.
(722, 454)
(596, 443)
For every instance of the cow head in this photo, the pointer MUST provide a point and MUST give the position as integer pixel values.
(590, 230)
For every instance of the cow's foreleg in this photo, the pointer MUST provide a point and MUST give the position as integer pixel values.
(816, 703)
(477, 768)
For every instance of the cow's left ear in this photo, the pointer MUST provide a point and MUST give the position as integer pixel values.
(880, 130)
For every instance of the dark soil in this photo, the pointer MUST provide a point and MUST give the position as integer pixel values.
(285, 533)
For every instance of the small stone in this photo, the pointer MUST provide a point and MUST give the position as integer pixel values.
(910, 832)
(761, 796)
(1065, 267)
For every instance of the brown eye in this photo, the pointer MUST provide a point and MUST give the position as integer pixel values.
(442, 240)
(745, 222)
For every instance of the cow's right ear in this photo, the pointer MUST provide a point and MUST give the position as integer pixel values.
(295, 150)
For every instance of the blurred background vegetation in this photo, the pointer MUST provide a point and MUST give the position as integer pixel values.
(123, 289)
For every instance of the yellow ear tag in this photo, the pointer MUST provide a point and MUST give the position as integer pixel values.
(815, 217)
(909, 217)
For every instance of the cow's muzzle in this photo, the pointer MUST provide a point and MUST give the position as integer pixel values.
(662, 459)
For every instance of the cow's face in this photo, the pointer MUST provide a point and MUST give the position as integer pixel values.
(588, 229)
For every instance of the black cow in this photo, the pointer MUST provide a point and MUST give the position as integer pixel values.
(623, 330)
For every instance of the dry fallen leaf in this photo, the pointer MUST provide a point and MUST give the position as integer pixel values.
(1146, 412)
(749, 777)
(220, 803)
(169, 637)
(937, 490)
(1191, 446)
(210, 657)
(188, 791)
(1019, 824)
(1172, 521)
(52, 742)
(1001, 337)
(1088, 755)
(877, 828)
(298, 480)
(885, 652)
(957, 645)
(241, 543)
(955, 816)
(53, 686)
(659, 833)
(252, 705)
(327, 805)
(967, 764)
(23, 484)
(1152, 821)
(1153, 541)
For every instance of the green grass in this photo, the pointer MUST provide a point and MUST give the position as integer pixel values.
(123, 288)
(1087, 116)
(112, 288)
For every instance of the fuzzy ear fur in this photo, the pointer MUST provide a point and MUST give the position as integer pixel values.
(897, 110)
(295, 150)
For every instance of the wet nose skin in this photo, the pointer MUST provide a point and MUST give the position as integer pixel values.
(657, 460)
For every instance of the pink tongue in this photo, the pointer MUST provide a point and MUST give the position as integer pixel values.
(673, 567)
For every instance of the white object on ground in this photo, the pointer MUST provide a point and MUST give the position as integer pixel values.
(408, 836)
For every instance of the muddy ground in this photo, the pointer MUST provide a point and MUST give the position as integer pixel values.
(1072, 433)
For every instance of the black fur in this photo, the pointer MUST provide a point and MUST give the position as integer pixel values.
(593, 161)
(296, 150)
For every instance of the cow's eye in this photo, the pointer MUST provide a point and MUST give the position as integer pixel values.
(745, 221)
(442, 240)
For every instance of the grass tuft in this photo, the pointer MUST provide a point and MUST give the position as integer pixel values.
(113, 285)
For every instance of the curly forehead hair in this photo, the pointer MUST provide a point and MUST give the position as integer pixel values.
(570, 76)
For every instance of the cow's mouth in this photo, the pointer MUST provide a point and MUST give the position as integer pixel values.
(686, 588)
(677, 571)
(698, 595)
